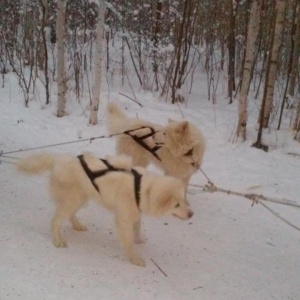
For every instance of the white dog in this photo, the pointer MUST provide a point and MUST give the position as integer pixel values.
(177, 148)
(125, 190)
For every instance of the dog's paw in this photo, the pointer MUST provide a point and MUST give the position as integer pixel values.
(80, 227)
(59, 244)
(138, 261)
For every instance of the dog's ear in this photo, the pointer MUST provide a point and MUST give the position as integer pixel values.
(182, 127)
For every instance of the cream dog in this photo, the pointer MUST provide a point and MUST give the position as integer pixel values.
(177, 148)
(127, 191)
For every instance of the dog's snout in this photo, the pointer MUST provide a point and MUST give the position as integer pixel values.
(190, 214)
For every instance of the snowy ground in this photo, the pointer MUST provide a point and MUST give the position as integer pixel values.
(228, 250)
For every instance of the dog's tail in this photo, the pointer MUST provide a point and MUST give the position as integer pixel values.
(36, 164)
(116, 118)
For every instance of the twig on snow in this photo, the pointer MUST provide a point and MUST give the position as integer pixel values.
(276, 214)
(159, 268)
(294, 154)
(134, 100)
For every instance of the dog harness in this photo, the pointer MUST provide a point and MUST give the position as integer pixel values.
(140, 140)
(93, 175)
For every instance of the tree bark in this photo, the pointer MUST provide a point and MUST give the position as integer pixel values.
(296, 125)
(253, 28)
(231, 50)
(273, 61)
(61, 80)
(98, 65)
(44, 11)
(296, 53)
(155, 39)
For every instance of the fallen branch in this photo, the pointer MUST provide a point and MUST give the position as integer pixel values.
(134, 100)
(276, 214)
(255, 198)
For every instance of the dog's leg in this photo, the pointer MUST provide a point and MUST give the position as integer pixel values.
(66, 209)
(186, 181)
(138, 238)
(56, 224)
(76, 224)
(71, 206)
(126, 234)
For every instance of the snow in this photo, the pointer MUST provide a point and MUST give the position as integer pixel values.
(228, 250)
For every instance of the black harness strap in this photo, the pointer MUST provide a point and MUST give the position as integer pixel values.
(92, 175)
(137, 185)
(140, 140)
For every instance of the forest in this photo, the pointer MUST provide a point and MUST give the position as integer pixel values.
(228, 68)
(69, 48)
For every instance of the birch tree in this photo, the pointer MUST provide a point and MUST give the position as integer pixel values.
(98, 65)
(253, 28)
(43, 4)
(296, 125)
(296, 53)
(61, 79)
(271, 73)
(273, 63)
(231, 48)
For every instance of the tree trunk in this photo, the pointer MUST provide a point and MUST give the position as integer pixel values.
(289, 65)
(61, 80)
(271, 73)
(155, 40)
(231, 50)
(253, 28)
(296, 53)
(44, 11)
(178, 52)
(98, 65)
(273, 61)
(297, 122)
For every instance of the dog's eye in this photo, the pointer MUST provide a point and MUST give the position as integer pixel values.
(164, 133)
(177, 205)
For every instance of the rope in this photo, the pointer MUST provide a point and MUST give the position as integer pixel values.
(4, 154)
(57, 144)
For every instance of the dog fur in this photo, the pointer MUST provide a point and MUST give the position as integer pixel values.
(176, 140)
(71, 188)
